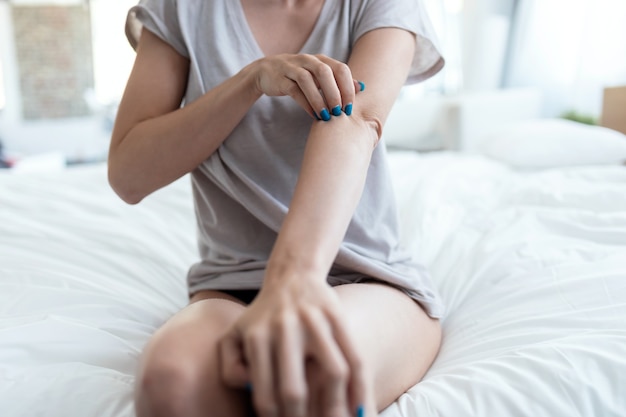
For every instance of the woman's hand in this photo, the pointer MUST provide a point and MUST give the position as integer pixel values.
(292, 347)
(321, 85)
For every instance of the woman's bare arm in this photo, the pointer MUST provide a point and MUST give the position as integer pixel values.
(337, 155)
(330, 184)
(154, 141)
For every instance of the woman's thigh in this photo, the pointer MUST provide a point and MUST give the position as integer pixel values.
(398, 341)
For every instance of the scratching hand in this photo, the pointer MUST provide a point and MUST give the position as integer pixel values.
(292, 347)
(322, 86)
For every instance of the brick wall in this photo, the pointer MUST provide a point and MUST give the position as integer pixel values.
(54, 52)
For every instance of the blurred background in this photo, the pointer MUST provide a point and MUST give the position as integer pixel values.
(64, 64)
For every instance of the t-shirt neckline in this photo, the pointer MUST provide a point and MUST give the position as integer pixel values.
(250, 39)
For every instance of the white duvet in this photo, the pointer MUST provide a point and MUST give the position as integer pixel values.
(532, 267)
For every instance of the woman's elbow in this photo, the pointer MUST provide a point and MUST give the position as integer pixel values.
(124, 188)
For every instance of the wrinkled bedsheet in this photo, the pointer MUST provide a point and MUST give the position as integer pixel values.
(532, 266)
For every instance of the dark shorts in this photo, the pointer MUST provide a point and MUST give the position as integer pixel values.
(245, 296)
(248, 296)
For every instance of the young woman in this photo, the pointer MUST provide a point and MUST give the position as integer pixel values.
(302, 300)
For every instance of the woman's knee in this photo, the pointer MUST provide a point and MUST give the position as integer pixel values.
(166, 387)
(178, 374)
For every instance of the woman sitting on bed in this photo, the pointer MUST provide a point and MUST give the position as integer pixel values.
(302, 298)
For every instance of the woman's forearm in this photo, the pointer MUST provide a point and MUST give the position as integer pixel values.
(337, 158)
(159, 150)
(329, 187)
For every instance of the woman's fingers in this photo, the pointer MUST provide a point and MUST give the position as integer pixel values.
(307, 86)
(295, 91)
(298, 359)
(324, 350)
(315, 382)
(335, 84)
(343, 82)
(328, 87)
(358, 387)
(233, 365)
(322, 86)
(290, 362)
(258, 351)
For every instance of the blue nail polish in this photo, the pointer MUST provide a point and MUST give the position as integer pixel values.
(362, 85)
(337, 110)
(360, 411)
(325, 115)
(348, 110)
(316, 116)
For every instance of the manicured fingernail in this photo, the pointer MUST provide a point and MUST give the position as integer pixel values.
(316, 116)
(337, 110)
(325, 115)
(360, 411)
(348, 110)
(362, 85)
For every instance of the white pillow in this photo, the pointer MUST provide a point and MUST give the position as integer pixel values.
(551, 143)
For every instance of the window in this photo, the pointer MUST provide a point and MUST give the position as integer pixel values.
(572, 50)
(112, 54)
(3, 99)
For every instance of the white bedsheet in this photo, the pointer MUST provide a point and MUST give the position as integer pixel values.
(532, 266)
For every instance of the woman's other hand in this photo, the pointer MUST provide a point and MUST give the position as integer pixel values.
(322, 86)
(292, 347)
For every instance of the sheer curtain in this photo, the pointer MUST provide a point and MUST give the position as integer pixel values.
(571, 49)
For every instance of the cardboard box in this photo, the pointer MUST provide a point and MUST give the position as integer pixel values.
(614, 109)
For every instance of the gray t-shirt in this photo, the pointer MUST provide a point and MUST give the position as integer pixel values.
(242, 191)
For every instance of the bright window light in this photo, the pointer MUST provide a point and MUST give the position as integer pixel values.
(113, 56)
(3, 100)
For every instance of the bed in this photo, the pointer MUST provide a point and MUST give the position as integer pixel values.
(531, 263)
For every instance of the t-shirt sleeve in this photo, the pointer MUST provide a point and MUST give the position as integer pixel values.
(409, 15)
(160, 17)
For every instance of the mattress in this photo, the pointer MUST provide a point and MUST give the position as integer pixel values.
(532, 266)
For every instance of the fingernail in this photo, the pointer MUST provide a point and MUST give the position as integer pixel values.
(362, 85)
(360, 411)
(348, 110)
(249, 387)
(325, 115)
(337, 110)
(316, 116)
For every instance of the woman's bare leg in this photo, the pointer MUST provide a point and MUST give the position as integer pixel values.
(179, 371)
(398, 341)
(178, 374)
